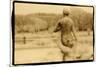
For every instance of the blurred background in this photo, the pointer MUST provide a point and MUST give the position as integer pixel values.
(35, 40)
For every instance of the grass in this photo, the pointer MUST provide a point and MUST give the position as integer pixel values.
(48, 44)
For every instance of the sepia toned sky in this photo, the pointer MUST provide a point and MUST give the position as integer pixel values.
(25, 8)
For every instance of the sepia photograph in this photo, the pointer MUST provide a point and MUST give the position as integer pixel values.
(52, 33)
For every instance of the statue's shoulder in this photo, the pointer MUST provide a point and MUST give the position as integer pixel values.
(66, 20)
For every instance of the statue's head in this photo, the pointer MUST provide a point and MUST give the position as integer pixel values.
(66, 12)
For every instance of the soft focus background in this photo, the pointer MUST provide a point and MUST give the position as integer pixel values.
(5, 35)
(34, 26)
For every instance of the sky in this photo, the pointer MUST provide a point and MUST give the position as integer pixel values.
(26, 8)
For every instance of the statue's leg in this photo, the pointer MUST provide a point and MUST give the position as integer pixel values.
(64, 54)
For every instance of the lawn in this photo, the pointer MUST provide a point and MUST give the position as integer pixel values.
(44, 47)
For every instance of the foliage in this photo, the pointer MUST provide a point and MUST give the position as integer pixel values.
(47, 22)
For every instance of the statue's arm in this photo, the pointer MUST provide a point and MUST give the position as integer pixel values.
(74, 33)
(58, 27)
